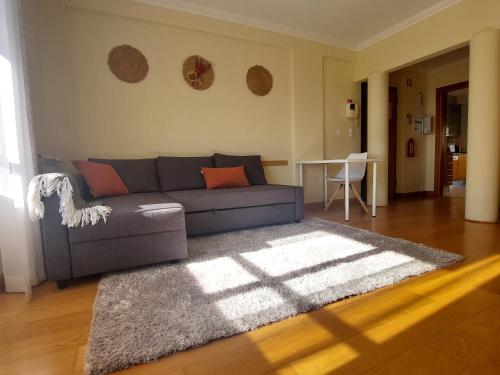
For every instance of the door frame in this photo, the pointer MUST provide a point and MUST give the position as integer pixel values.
(393, 142)
(441, 105)
(364, 131)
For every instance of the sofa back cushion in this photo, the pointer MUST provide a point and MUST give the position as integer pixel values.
(216, 178)
(139, 175)
(252, 163)
(182, 173)
(81, 191)
(101, 178)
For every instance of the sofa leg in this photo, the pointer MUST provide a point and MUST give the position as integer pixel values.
(62, 284)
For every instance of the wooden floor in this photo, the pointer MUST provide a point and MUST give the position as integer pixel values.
(446, 322)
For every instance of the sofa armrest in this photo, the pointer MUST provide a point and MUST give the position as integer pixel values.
(299, 203)
(55, 242)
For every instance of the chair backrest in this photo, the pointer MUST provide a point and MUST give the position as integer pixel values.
(356, 170)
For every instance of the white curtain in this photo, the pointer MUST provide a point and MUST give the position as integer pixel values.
(20, 243)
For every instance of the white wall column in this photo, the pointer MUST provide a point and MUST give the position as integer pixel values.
(483, 149)
(378, 133)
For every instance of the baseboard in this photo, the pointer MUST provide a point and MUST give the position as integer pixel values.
(481, 221)
(16, 284)
(415, 194)
(336, 199)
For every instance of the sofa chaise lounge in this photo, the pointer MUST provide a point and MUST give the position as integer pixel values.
(168, 201)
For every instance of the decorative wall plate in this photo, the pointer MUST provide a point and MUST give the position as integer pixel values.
(259, 80)
(198, 72)
(128, 64)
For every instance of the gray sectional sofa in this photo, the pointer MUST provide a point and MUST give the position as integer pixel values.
(168, 202)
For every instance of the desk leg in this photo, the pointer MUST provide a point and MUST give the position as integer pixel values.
(346, 192)
(301, 181)
(374, 190)
(325, 193)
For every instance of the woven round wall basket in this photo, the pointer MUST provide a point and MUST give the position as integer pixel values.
(128, 64)
(198, 72)
(259, 80)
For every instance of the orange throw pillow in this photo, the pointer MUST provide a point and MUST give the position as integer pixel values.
(216, 178)
(102, 179)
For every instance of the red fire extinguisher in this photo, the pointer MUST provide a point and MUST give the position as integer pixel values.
(410, 148)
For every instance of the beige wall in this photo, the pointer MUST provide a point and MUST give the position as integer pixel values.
(482, 197)
(337, 90)
(81, 109)
(411, 172)
(443, 31)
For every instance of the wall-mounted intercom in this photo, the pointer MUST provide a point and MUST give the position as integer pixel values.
(351, 111)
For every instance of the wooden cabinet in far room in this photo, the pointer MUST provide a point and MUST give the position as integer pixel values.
(455, 167)
(462, 166)
(459, 167)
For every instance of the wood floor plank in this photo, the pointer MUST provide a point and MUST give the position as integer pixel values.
(443, 322)
(419, 360)
(471, 340)
(54, 362)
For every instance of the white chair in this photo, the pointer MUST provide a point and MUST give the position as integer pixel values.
(356, 174)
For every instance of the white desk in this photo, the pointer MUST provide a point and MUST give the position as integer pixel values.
(346, 162)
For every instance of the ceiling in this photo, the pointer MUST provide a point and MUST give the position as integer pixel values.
(352, 24)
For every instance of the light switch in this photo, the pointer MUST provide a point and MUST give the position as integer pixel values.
(337, 131)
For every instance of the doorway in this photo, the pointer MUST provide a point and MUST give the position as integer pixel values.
(451, 139)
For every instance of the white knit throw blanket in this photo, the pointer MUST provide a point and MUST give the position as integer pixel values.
(44, 185)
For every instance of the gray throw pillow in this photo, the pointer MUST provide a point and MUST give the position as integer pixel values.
(182, 173)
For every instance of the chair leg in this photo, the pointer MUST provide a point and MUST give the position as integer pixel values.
(359, 199)
(333, 197)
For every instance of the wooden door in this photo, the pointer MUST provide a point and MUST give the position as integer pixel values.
(448, 169)
(443, 167)
(393, 140)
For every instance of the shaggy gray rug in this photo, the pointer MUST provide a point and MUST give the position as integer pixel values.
(236, 282)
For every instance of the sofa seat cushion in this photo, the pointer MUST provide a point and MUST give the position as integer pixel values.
(134, 214)
(220, 199)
